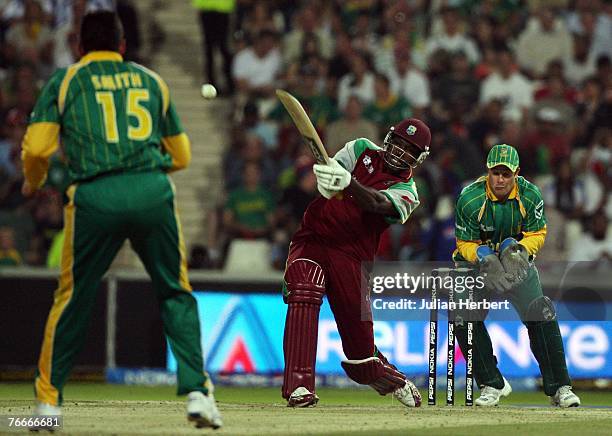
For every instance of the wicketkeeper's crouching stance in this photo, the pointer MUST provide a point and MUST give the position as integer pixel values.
(326, 255)
(500, 225)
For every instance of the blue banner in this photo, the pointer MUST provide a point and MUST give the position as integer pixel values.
(243, 333)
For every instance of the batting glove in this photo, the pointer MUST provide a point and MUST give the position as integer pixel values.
(332, 176)
(515, 259)
(327, 193)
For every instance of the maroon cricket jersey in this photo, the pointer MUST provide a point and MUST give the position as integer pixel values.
(342, 224)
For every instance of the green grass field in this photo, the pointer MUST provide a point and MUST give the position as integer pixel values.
(107, 409)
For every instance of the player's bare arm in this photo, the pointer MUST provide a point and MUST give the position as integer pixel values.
(370, 199)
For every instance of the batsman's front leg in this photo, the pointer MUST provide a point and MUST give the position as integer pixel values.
(304, 290)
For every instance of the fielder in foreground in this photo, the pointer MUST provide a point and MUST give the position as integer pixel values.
(326, 255)
(121, 135)
(500, 225)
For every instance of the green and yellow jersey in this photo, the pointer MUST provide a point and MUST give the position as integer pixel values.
(112, 116)
(482, 219)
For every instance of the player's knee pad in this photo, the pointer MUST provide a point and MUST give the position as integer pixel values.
(305, 282)
(540, 310)
(383, 377)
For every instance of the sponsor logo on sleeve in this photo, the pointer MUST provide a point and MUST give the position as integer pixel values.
(539, 210)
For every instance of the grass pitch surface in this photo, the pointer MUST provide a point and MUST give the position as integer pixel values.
(98, 409)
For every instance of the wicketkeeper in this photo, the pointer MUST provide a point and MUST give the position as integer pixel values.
(327, 252)
(500, 226)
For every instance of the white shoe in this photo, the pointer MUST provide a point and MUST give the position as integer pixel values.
(565, 397)
(408, 395)
(302, 397)
(202, 410)
(489, 396)
(46, 410)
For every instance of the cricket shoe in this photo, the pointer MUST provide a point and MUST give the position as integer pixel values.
(564, 397)
(490, 396)
(302, 397)
(202, 410)
(408, 395)
(45, 410)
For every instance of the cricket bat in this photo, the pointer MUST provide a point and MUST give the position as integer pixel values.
(304, 125)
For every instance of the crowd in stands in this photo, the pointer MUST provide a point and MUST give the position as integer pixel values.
(36, 37)
(534, 74)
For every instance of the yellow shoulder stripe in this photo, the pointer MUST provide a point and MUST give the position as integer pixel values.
(63, 91)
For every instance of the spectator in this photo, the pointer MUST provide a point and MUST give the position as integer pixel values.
(308, 25)
(509, 86)
(48, 220)
(459, 84)
(249, 150)
(31, 39)
(580, 64)
(291, 207)
(340, 62)
(9, 256)
(249, 209)
(410, 83)
(555, 95)
(255, 68)
(547, 145)
(263, 129)
(13, 130)
(440, 234)
(589, 100)
(198, 258)
(215, 30)
(65, 36)
(359, 82)
(590, 20)
(11, 177)
(545, 39)
(555, 85)
(486, 128)
(483, 33)
(388, 109)
(259, 18)
(565, 193)
(604, 71)
(320, 108)
(20, 87)
(352, 125)
(452, 39)
(596, 245)
(362, 37)
(128, 15)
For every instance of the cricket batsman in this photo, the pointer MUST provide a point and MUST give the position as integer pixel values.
(121, 135)
(326, 254)
(501, 226)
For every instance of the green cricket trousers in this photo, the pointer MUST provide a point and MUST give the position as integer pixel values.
(100, 215)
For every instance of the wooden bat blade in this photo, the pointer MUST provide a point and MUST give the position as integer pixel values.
(304, 125)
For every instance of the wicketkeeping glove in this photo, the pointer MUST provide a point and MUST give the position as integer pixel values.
(515, 259)
(332, 176)
(495, 277)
